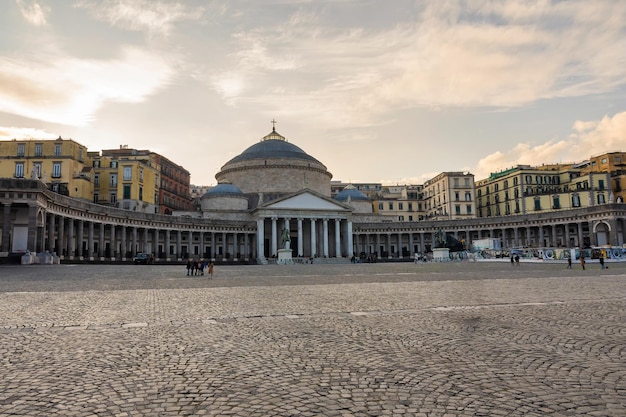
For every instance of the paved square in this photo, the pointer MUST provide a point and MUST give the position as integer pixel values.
(457, 339)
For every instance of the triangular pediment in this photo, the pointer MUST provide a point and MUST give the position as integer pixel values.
(306, 200)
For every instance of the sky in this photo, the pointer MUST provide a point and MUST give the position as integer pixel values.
(377, 90)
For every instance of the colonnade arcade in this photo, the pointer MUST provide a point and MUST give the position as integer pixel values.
(37, 220)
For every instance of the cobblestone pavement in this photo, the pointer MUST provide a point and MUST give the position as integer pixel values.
(456, 339)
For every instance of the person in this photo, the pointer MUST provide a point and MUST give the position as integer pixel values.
(188, 266)
(416, 258)
(582, 261)
(517, 259)
(512, 260)
(201, 265)
(569, 263)
(601, 261)
(210, 270)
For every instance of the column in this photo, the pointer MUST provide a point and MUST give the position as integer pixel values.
(179, 238)
(190, 245)
(133, 249)
(581, 240)
(273, 243)
(6, 213)
(213, 244)
(516, 237)
(155, 243)
(541, 237)
(411, 245)
(553, 243)
(90, 240)
(378, 254)
(567, 244)
(113, 241)
(388, 245)
(349, 236)
(71, 240)
(101, 242)
(61, 237)
(81, 238)
(325, 237)
(201, 238)
(167, 244)
(124, 246)
(337, 238)
(32, 229)
(260, 241)
(422, 246)
(224, 245)
(51, 232)
(313, 239)
(300, 242)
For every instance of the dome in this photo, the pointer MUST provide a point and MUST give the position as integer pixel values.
(223, 189)
(273, 145)
(350, 193)
(274, 165)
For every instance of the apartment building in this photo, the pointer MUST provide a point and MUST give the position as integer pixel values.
(402, 202)
(450, 195)
(174, 190)
(126, 178)
(523, 189)
(63, 164)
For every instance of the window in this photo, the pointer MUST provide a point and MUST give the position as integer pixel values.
(410, 207)
(113, 182)
(468, 208)
(126, 192)
(400, 206)
(128, 173)
(515, 181)
(390, 206)
(603, 160)
(456, 183)
(496, 187)
(456, 196)
(80, 154)
(601, 199)
(517, 210)
(457, 209)
(112, 198)
(140, 193)
(38, 148)
(20, 149)
(537, 203)
(410, 218)
(467, 182)
(401, 218)
(19, 170)
(56, 170)
(506, 183)
(556, 204)
(380, 206)
(601, 184)
(96, 180)
(57, 149)
(113, 164)
(575, 200)
(96, 163)
(96, 196)
(140, 174)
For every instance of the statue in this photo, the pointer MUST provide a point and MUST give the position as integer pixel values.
(285, 239)
(440, 239)
(34, 173)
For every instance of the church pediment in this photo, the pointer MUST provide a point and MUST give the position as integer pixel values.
(306, 200)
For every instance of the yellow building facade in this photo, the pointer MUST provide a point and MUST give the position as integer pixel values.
(62, 164)
(524, 189)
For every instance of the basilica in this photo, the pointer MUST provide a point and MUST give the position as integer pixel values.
(271, 191)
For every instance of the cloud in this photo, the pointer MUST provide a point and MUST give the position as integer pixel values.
(449, 54)
(587, 138)
(154, 17)
(12, 132)
(33, 12)
(67, 90)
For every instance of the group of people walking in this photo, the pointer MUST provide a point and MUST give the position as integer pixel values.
(197, 267)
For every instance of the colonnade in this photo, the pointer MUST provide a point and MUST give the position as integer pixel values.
(313, 237)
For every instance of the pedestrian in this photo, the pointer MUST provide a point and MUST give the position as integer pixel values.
(210, 270)
(201, 265)
(569, 263)
(512, 260)
(582, 261)
(516, 259)
(188, 266)
(601, 261)
(416, 258)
